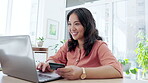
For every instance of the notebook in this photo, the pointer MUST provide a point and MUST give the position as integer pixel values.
(17, 60)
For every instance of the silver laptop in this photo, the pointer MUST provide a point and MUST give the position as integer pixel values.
(16, 58)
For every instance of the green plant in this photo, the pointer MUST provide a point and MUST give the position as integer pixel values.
(142, 51)
(41, 39)
(55, 47)
(126, 66)
(134, 70)
(124, 61)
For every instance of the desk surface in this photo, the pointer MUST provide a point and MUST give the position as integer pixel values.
(7, 79)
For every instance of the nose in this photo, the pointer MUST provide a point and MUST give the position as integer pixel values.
(72, 27)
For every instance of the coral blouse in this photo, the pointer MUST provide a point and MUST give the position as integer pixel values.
(100, 55)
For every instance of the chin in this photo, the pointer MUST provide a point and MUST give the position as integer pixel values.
(74, 38)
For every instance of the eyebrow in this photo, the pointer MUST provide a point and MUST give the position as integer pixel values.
(74, 21)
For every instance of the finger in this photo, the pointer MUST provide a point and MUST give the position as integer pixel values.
(59, 72)
(39, 66)
(49, 69)
(44, 66)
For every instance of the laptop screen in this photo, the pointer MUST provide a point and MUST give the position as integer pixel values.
(16, 57)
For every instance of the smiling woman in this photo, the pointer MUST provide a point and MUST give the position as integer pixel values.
(85, 54)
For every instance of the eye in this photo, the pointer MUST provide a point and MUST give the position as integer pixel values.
(68, 24)
(77, 23)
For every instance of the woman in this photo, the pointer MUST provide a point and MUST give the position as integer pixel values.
(84, 54)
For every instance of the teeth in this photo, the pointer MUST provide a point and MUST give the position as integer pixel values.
(74, 33)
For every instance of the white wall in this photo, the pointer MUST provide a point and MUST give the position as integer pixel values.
(146, 15)
(55, 10)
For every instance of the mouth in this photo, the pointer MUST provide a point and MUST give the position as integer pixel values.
(74, 33)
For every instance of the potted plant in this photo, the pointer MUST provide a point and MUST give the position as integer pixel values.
(142, 54)
(126, 64)
(40, 41)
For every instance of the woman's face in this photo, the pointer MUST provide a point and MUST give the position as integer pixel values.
(75, 27)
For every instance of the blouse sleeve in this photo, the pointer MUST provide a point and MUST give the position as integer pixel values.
(107, 58)
(60, 56)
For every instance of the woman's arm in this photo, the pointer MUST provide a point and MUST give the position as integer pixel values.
(110, 65)
(102, 72)
(74, 72)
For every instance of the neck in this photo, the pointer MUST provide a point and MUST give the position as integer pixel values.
(80, 44)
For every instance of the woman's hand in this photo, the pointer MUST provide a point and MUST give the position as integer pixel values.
(70, 72)
(44, 67)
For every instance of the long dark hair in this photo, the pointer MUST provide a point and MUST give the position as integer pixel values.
(90, 32)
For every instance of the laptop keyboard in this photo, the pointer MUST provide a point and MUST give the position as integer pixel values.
(43, 77)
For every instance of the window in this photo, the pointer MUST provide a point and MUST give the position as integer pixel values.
(19, 17)
(3, 16)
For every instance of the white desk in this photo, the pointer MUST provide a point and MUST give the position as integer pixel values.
(7, 79)
(40, 50)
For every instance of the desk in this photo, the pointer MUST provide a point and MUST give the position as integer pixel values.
(7, 79)
(40, 50)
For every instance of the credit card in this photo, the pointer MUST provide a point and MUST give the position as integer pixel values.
(55, 66)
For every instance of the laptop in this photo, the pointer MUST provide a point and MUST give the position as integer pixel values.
(17, 60)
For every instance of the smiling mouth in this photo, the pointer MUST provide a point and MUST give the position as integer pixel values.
(74, 34)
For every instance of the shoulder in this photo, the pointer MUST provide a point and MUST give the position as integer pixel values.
(98, 43)
(101, 46)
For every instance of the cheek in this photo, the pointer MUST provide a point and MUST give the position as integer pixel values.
(81, 30)
(82, 34)
(68, 29)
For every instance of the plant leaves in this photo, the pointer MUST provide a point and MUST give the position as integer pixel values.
(134, 71)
